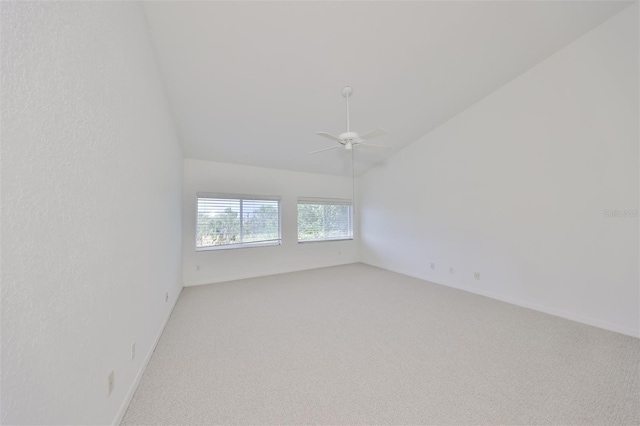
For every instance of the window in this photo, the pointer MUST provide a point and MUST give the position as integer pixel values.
(324, 220)
(230, 221)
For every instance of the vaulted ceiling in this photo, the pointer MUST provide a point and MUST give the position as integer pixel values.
(251, 82)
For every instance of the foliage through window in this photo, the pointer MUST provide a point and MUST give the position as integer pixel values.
(233, 221)
(322, 220)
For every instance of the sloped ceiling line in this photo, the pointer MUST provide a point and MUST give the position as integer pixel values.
(251, 83)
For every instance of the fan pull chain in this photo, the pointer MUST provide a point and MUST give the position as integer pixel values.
(353, 190)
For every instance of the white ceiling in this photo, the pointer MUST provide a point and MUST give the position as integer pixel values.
(251, 83)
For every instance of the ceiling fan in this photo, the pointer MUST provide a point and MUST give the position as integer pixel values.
(350, 139)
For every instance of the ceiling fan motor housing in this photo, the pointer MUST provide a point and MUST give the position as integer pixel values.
(349, 137)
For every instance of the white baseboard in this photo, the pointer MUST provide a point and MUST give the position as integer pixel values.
(143, 367)
(534, 306)
(254, 275)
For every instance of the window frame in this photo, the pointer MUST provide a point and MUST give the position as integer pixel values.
(241, 198)
(326, 202)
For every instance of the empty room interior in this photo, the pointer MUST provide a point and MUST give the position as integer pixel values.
(340, 212)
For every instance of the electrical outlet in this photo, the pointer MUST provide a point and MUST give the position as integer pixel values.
(110, 381)
(133, 351)
(476, 275)
(433, 265)
(166, 297)
(451, 270)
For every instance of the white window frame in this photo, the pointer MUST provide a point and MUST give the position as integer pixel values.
(328, 202)
(241, 198)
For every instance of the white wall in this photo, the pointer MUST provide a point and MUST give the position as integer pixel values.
(91, 214)
(515, 188)
(231, 264)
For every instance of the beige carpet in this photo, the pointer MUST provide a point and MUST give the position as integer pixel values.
(356, 344)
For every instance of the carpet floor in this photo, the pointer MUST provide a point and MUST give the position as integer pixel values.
(355, 344)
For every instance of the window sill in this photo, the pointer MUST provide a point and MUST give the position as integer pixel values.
(325, 241)
(239, 246)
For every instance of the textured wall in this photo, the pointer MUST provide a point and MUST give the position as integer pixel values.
(208, 266)
(91, 217)
(516, 188)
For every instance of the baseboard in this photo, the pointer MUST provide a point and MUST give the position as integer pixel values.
(143, 367)
(518, 302)
(247, 276)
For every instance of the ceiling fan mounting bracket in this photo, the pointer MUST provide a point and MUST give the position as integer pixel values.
(347, 91)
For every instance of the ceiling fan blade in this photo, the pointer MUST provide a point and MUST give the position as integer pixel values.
(373, 134)
(324, 149)
(328, 136)
(373, 147)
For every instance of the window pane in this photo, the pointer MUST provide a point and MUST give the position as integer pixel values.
(310, 222)
(324, 221)
(260, 220)
(218, 222)
(225, 221)
(337, 223)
